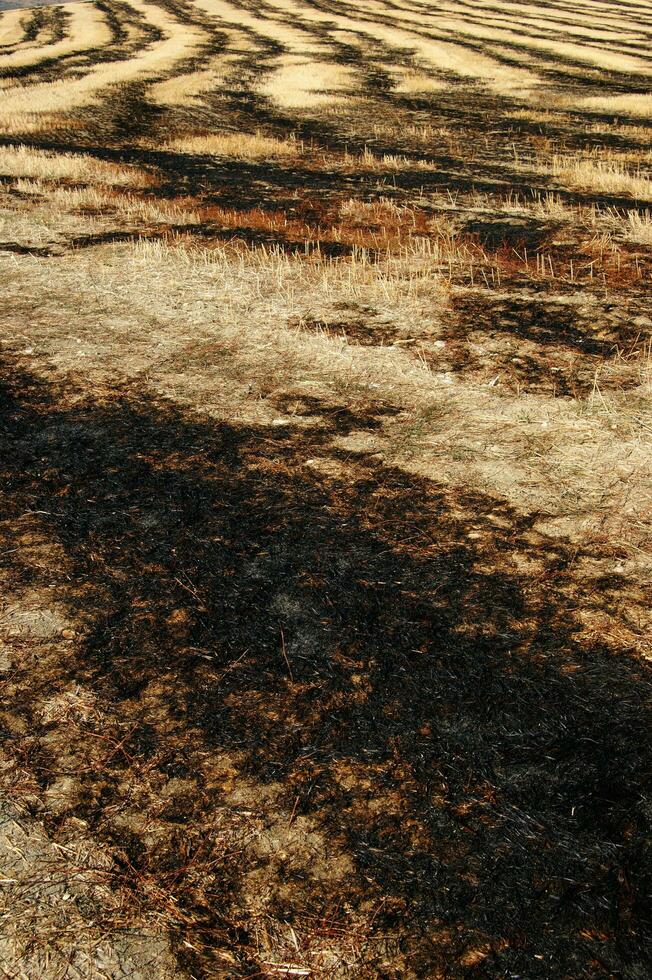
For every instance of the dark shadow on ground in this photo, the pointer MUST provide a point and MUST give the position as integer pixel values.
(565, 347)
(548, 325)
(244, 184)
(409, 670)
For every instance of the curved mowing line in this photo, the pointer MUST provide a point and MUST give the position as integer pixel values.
(308, 66)
(444, 52)
(12, 28)
(178, 42)
(37, 28)
(87, 30)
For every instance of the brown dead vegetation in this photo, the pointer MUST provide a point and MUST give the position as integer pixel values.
(325, 548)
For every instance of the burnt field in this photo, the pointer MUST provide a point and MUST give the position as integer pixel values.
(325, 419)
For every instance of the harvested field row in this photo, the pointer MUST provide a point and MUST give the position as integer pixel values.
(326, 526)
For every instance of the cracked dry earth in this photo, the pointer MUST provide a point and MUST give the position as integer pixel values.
(325, 491)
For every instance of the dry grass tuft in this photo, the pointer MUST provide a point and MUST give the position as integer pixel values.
(640, 227)
(301, 83)
(238, 146)
(605, 177)
(26, 123)
(636, 105)
(23, 161)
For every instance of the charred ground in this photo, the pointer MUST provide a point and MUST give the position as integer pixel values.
(324, 470)
(372, 655)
